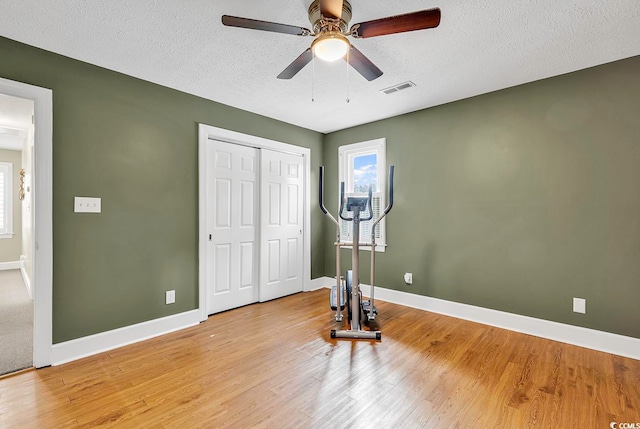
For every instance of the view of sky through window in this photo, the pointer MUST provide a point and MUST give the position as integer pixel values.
(365, 173)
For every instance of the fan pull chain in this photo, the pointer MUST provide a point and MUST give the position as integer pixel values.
(348, 52)
(313, 75)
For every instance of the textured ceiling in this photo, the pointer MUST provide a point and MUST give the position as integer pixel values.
(480, 46)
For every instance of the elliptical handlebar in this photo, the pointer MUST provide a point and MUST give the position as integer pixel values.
(389, 205)
(348, 219)
(369, 206)
(321, 196)
(369, 200)
(321, 190)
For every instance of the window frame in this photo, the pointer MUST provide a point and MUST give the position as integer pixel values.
(346, 153)
(6, 169)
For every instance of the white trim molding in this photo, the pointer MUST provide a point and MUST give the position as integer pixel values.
(584, 337)
(11, 265)
(104, 341)
(346, 173)
(25, 278)
(321, 282)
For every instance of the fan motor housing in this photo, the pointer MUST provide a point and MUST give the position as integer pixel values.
(323, 24)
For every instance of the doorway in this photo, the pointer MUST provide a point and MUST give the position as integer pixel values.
(16, 306)
(40, 196)
(254, 219)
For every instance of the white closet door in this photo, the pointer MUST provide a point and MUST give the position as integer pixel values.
(281, 223)
(233, 247)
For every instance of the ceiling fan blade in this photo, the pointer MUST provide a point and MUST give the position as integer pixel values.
(297, 65)
(254, 24)
(420, 20)
(363, 65)
(331, 8)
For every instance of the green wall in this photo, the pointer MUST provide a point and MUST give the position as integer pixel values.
(518, 200)
(134, 144)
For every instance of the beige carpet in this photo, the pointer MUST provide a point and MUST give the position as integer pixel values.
(16, 323)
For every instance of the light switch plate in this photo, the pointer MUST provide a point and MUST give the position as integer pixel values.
(87, 205)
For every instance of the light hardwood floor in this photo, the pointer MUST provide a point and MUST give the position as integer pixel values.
(275, 365)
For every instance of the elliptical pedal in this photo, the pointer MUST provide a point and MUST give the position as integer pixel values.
(366, 305)
(333, 297)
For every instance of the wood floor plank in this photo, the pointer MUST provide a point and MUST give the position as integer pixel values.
(275, 365)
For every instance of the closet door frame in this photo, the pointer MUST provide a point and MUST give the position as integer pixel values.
(207, 133)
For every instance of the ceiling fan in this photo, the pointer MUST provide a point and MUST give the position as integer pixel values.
(330, 20)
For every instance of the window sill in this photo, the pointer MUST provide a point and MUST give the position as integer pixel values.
(9, 235)
(379, 248)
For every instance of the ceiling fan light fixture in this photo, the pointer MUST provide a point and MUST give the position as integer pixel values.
(330, 46)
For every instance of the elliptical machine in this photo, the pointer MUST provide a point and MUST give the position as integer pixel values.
(357, 308)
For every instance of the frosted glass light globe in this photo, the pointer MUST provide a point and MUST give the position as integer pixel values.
(330, 46)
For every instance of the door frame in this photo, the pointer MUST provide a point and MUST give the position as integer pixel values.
(208, 132)
(42, 244)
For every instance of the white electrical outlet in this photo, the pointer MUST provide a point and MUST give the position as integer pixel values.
(170, 297)
(87, 205)
(408, 278)
(579, 305)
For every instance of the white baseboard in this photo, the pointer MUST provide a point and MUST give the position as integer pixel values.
(104, 341)
(584, 337)
(12, 265)
(320, 282)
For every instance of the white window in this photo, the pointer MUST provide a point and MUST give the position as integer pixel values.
(362, 165)
(6, 200)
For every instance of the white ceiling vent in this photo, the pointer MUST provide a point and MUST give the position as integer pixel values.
(398, 87)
